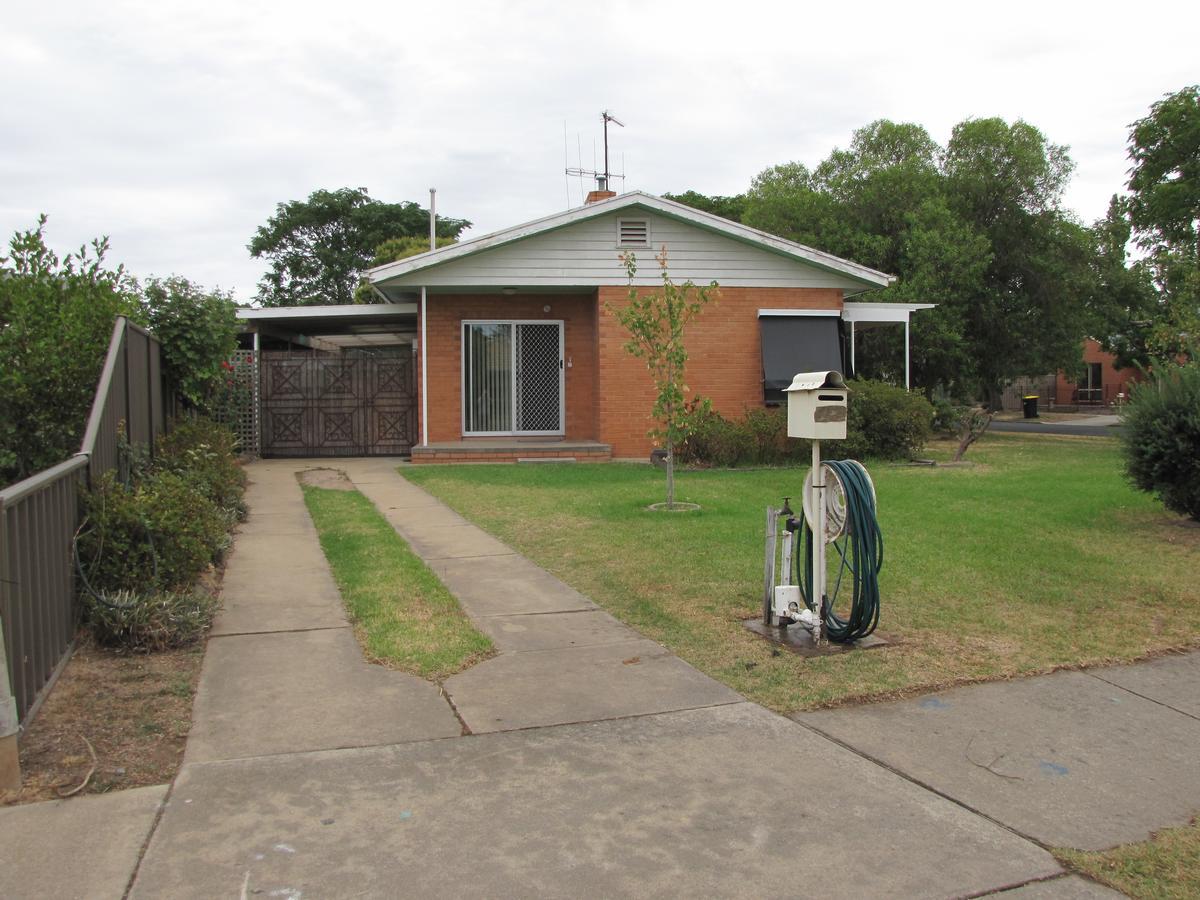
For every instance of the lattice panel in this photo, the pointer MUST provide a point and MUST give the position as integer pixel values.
(539, 395)
(237, 402)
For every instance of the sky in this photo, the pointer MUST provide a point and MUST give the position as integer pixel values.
(175, 128)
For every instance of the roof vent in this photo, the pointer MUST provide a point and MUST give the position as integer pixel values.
(633, 233)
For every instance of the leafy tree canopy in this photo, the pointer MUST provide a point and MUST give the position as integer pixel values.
(56, 318)
(975, 227)
(318, 248)
(731, 208)
(1164, 212)
(394, 250)
(197, 330)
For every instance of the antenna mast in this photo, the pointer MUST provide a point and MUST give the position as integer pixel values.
(602, 178)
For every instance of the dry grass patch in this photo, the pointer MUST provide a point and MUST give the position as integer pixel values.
(1166, 867)
(134, 710)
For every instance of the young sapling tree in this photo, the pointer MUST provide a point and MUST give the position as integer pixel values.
(655, 320)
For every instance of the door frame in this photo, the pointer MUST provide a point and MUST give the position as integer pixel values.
(562, 377)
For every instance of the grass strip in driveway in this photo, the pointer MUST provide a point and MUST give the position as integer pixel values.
(402, 614)
(1166, 867)
(1036, 556)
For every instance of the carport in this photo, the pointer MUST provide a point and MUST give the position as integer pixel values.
(332, 380)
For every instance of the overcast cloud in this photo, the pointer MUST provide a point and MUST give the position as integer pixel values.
(175, 129)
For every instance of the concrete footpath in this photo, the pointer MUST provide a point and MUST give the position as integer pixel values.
(584, 759)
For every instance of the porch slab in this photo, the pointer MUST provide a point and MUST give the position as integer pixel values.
(509, 450)
(505, 586)
(1067, 759)
(693, 804)
(287, 692)
(580, 684)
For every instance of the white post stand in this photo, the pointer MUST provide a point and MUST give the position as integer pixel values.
(818, 544)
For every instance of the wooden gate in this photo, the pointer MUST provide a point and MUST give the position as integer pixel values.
(327, 405)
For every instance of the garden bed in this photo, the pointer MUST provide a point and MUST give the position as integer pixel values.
(134, 710)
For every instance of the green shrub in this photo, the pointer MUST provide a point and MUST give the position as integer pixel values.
(1161, 437)
(148, 622)
(885, 423)
(158, 534)
(202, 451)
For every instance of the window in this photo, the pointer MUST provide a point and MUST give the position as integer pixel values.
(793, 344)
(633, 233)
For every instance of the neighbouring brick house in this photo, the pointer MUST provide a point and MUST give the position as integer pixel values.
(1101, 382)
(523, 350)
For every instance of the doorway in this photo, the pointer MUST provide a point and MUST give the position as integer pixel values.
(512, 378)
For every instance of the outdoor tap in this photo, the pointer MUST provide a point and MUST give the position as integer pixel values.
(787, 507)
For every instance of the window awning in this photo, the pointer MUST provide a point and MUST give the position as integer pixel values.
(792, 344)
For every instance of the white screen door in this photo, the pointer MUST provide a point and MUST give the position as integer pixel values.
(513, 377)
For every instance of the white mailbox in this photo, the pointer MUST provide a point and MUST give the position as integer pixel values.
(817, 406)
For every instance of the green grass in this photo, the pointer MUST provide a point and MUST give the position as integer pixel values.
(403, 615)
(1038, 556)
(1166, 867)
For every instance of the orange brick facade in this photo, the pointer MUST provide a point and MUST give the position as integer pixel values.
(1113, 381)
(609, 394)
(446, 315)
(724, 360)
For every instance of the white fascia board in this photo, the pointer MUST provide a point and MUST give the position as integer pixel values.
(799, 312)
(881, 312)
(348, 310)
(669, 208)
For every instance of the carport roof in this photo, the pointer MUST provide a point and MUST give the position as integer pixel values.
(363, 324)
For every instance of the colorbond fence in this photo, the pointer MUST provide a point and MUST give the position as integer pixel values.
(39, 516)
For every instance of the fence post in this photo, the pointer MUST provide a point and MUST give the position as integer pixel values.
(10, 761)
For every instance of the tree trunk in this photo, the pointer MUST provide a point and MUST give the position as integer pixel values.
(670, 474)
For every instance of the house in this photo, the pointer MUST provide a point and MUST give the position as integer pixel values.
(1100, 384)
(516, 350)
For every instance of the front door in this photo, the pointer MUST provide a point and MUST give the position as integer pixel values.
(513, 378)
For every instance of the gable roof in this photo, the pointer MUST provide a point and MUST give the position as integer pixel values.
(867, 277)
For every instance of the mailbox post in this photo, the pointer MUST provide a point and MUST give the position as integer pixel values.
(817, 411)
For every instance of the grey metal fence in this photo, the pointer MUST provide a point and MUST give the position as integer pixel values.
(39, 516)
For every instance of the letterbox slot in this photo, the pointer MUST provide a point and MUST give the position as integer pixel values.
(832, 398)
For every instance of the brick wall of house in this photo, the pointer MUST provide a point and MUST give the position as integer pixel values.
(446, 314)
(1114, 381)
(725, 361)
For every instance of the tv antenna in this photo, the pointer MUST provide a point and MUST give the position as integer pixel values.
(602, 178)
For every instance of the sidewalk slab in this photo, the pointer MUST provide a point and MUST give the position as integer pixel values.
(451, 541)
(1173, 681)
(82, 847)
(695, 804)
(554, 631)
(506, 585)
(580, 684)
(1070, 887)
(310, 690)
(1066, 759)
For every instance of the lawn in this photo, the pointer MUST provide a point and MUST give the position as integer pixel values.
(1167, 867)
(1036, 556)
(403, 615)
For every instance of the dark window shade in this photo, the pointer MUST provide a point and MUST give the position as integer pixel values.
(792, 344)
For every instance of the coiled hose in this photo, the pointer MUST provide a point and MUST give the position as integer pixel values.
(861, 552)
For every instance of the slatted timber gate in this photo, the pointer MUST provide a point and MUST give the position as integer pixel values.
(338, 405)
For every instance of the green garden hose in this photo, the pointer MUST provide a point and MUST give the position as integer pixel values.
(861, 551)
